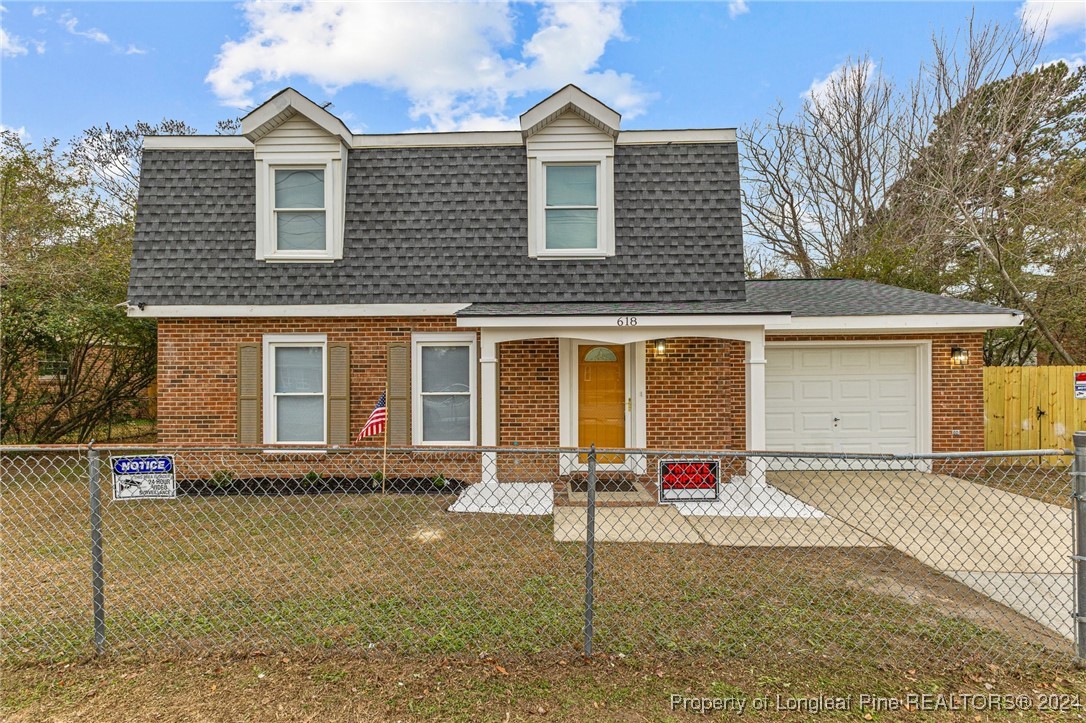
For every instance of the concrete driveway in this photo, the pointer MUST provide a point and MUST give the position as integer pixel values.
(664, 523)
(1014, 549)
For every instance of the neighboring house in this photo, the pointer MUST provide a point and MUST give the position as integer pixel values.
(562, 285)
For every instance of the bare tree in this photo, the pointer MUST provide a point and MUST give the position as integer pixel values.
(971, 182)
(811, 184)
(112, 157)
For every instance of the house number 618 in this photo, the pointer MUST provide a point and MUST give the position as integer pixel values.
(627, 321)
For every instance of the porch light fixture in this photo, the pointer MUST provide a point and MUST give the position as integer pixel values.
(661, 346)
(958, 356)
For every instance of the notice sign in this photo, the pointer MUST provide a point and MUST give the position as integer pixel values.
(689, 480)
(1080, 385)
(146, 477)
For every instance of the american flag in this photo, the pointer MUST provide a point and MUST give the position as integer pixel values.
(376, 423)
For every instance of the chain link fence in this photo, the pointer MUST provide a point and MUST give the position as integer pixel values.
(918, 560)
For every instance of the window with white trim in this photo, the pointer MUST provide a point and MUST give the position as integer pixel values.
(571, 205)
(300, 210)
(295, 389)
(444, 388)
(300, 207)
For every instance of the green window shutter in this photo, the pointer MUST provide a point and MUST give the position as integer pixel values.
(249, 393)
(339, 393)
(399, 396)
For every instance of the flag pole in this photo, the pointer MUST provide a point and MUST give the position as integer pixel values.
(384, 447)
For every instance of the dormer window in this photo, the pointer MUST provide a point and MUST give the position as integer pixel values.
(300, 205)
(570, 140)
(301, 219)
(301, 153)
(572, 207)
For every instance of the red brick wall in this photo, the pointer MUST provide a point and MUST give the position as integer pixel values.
(696, 394)
(528, 393)
(197, 368)
(695, 389)
(957, 392)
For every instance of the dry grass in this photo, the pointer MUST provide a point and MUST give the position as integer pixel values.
(1047, 484)
(382, 589)
(543, 687)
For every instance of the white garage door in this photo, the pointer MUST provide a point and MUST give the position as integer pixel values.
(860, 399)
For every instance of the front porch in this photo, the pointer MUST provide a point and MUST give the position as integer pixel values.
(632, 382)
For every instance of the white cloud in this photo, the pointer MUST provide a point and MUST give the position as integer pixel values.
(822, 90)
(1073, 63)
(20, 131)
(71, 23)
(458, 63)
(737, 8)
(38, 11)
(1054, 17)
(11, 45)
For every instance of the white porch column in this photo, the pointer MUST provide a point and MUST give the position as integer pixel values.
(755, 362)
(488, 404)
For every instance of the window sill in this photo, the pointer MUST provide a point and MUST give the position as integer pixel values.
(299, 260)
(295, 452)
(465, 445)
(589, 256)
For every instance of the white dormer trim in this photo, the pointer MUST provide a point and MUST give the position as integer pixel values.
(335, 191)
(570, 99)
(286, 104)
(570, 128)
(292, 132)
(604, 161)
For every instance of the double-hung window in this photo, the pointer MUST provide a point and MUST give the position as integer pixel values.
(444, 403)
(301, 216)
(571, 205)
(295, 389)
(300, 204)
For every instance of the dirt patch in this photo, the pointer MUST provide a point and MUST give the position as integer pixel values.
(952, 598)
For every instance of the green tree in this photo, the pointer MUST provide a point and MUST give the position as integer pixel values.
(64, 278)
(998, 193)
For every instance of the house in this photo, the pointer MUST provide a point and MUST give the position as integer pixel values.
(565, 284)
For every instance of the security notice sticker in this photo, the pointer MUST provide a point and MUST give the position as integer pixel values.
(689, 480)
(145, 477)
(1080, 385)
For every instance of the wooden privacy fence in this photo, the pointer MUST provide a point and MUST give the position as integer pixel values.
(1032, 408)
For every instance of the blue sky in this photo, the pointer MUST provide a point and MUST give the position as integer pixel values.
(390, 67)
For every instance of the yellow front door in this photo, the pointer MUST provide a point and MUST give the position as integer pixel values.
(601, 399)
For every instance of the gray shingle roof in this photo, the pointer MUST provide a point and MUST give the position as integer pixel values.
(799, 297)
(853, 297)
(441, 225)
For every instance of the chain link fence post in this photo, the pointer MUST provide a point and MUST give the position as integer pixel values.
(590, 552)
(1078, 483)
(98, 598)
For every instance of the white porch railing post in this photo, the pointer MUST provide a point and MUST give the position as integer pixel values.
(756, 407)
(488, 405)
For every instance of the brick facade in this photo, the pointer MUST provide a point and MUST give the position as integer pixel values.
(197, 368)
(695, 390)
(696, 394)
(528, 393)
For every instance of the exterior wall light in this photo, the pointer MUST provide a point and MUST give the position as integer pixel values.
(958, 356)
(661, 346)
